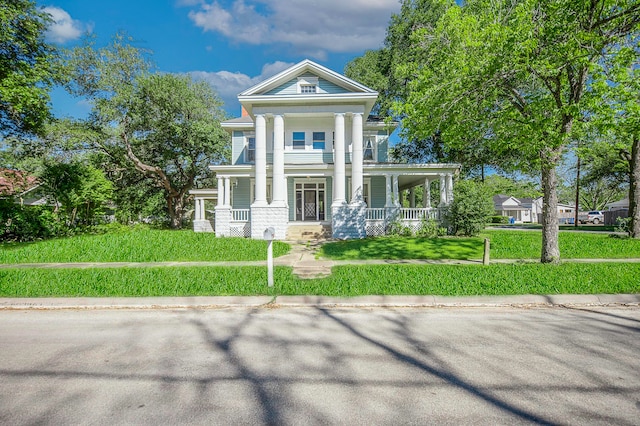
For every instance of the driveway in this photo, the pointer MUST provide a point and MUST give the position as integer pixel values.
(318, 365)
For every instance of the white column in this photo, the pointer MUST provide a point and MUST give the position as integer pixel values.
(203, 213)
(412, 198)
(339, 163)
(396, 192)
(261, 160)
(449, 188)
(426, 195)
(220, 192)
(387, 202)
(197, 210)
(356, 158)
(443, 191)
(278, 188)
(227, 191)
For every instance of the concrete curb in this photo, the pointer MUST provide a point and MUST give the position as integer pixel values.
(270, 302)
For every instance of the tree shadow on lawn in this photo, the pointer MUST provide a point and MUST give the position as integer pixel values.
(404, 248)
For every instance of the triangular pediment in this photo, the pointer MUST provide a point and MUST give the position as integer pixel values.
(307, 73)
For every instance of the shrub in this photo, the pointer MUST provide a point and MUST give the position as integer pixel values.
(471, 208)
(499, 219)
(28, 223)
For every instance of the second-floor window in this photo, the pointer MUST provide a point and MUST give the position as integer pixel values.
(298, 140)
(251, 150)
(318, 140)
(369, 148)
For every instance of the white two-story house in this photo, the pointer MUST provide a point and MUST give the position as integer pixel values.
(306, 154)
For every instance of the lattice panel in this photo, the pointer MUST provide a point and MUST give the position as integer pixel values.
(375, 229)
(243, 230)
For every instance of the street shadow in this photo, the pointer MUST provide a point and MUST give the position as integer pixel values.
(327, 366)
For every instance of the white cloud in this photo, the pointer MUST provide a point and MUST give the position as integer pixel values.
(230, 84)
(311, 28)
(64, 28)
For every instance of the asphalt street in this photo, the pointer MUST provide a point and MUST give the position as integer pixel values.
(321, 365)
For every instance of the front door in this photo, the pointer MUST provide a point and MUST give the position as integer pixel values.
(310, 201)
(310, 212)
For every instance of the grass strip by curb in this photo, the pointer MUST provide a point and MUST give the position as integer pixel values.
(346, 281)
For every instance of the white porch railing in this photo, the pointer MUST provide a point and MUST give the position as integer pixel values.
(376, 214)
(418, 214)
(240, 215)
(402, 214)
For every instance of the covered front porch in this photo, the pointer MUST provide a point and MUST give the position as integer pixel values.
(390, 193)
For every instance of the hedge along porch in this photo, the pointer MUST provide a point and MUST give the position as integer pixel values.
(305, 153)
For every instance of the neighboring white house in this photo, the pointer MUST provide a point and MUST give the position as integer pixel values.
(566, 212)
(306, 154)
(618, 205)
(519, 211)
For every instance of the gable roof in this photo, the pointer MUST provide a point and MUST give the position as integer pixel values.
(350, 91)
(303, 67)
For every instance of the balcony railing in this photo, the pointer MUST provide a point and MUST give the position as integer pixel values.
(240, 215)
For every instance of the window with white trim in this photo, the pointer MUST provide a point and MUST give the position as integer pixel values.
(307, 85)
(298, 141)
(308, 88)
(318, 140)
(250, 153)
(369, 151)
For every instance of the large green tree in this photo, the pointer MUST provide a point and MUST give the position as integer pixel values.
(515, 73)
(28, 68)
(615, 97)
(165, 127)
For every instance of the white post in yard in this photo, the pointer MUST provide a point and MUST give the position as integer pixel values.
(269, 234)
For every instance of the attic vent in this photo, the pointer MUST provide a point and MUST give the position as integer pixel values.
(307, 85)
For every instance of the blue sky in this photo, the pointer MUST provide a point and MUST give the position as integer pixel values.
(232, 44)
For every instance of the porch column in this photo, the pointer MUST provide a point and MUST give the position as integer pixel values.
(339, 162)
(203, 214)
(220, 192)
(261, 160)
(279, 190)
(387, 202)
(356, 158)
(426, 196)
(396, 192)
(227, 191)
(412, 198)
(449, 188)
(443, 192)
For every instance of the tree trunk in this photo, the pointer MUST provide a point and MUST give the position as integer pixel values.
(175, 206)
(634, 189)
(575, 216)
(550, 247)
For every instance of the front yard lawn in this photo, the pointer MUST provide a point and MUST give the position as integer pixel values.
(140, 245)
(505, 244)
(346, 281)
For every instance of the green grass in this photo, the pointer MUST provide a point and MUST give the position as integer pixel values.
(573, 245)
(139, 245)
(346, 281)
(505, 244)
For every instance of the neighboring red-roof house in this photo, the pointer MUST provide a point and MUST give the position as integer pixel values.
(25, 188)
(15, 182)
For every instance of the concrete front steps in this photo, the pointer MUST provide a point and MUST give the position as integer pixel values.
(306, 232)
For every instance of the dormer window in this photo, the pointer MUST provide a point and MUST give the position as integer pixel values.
(308, 88)
(307, 85)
